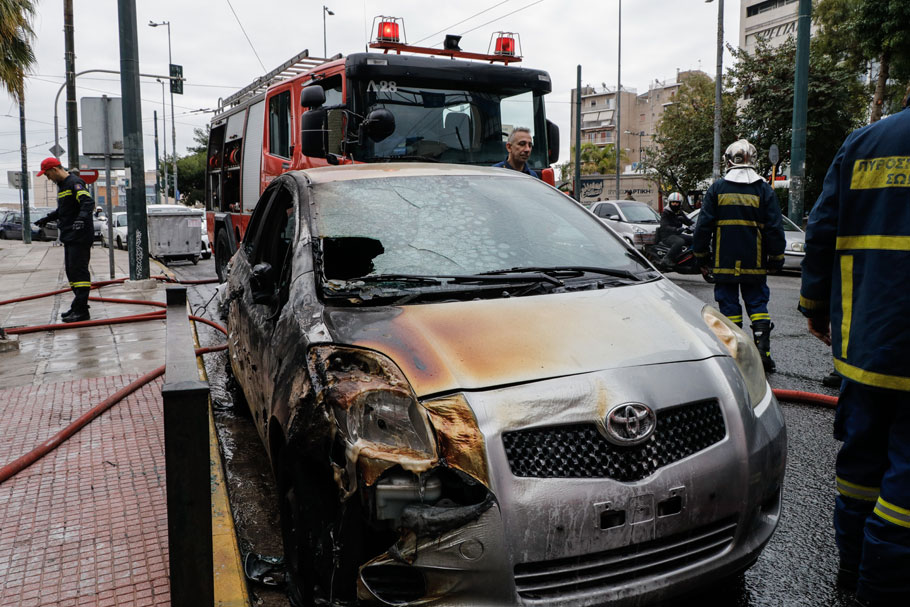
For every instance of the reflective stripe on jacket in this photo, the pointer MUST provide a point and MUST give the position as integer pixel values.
(73, 202)
(858, 255)
(743, 223)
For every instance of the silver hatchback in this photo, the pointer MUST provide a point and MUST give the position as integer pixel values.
(471, 394)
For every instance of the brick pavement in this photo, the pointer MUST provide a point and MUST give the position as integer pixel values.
(87, 524)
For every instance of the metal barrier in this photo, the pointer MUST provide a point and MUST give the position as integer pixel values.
(186, 444)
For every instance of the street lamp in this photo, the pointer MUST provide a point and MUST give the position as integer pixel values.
(717, 85)
(325, 11)
(173, 124)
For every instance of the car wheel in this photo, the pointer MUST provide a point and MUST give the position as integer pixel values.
(42, 235)
(2, 235)
(222, 255)
(119, 243)
(296, 535)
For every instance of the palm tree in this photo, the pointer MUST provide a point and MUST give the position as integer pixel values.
(16, 58)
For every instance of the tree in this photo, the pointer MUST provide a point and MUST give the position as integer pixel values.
(765, 80)
(595, 160)
(682, 151)
(16, 55)
(869, 32)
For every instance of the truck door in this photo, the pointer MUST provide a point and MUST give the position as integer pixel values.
(277, 152)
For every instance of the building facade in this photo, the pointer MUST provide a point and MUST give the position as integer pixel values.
(771, 20)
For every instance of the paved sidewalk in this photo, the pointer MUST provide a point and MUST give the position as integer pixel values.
(87, 524)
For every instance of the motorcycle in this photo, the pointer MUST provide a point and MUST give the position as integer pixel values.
(686, 263)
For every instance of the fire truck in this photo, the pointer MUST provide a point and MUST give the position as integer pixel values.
(405, 103)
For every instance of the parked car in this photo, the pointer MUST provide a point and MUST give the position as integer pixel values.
(635, 221)
(795, 249)
(120, 232)
(472, 394)
(11, 224)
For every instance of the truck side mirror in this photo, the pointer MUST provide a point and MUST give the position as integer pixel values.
(552, 142)
(312, 97)
(314, 134)
(379, 124)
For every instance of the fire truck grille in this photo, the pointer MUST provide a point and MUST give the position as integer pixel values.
(580, 451)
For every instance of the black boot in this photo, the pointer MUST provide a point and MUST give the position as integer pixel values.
(761, 331)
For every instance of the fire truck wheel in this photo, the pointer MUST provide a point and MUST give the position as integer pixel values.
(222, 255)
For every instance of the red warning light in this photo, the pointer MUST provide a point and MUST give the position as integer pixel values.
(388, 32)
(505, 45)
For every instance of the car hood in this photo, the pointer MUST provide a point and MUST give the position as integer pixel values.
(474, 345)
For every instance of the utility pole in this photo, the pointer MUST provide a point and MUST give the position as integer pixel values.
(157, 175)
(718, 88)
(576, 186)
(164, 134)
(800, 104)
(26, 178)
(617, 130)
(137, 234)
(72, 114)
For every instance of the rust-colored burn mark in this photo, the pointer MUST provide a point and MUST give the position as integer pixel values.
(373, 459)
(458, 437)
(351, 374)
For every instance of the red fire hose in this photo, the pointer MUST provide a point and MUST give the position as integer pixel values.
(52, 443)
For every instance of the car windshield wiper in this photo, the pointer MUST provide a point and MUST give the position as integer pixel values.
(568, 271)
(396, 278)
(518, 275)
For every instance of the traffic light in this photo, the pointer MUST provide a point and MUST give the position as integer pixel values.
(177, 85)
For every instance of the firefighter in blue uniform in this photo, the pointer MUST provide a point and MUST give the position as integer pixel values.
(76, 228)
(740, 218)
(856, 295)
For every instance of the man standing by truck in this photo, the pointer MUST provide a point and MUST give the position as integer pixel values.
(74, 223)
(519, 147)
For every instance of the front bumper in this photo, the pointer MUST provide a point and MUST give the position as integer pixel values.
(579, 541)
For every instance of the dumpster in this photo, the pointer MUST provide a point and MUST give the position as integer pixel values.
(175, 232)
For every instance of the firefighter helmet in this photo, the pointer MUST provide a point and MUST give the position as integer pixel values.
(740, 154)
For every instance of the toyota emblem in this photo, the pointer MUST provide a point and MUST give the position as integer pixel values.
(630, 423)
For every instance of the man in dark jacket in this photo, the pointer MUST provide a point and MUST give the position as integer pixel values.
(519, 148)
(74, 222)
(672, 223)
(741, 215)
(856, 296)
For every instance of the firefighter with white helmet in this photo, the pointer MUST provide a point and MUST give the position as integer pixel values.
(741, 217)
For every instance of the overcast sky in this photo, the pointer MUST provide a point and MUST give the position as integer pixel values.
(659, 37)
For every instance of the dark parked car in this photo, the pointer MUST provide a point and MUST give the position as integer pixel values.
(11, 224)
(472, 392)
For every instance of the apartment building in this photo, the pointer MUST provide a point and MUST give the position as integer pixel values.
(771, 20)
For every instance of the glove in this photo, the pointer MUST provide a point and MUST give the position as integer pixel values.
(41, 222)
(78, 225)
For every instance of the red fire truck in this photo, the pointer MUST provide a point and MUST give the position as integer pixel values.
(454, 106)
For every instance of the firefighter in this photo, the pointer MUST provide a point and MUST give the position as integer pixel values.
(519, 148)
(74, 222)
(856, 299)
(741, 217)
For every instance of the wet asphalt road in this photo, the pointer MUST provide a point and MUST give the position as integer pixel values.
(798, 566)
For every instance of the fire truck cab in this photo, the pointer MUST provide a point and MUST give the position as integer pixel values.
(368, 107)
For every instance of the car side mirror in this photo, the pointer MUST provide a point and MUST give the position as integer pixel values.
(312, 97)
(262, 284)
(552, 142)
(314, 134)
(379, 124)
(614, 217)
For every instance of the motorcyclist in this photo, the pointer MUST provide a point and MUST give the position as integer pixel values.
(672, 223)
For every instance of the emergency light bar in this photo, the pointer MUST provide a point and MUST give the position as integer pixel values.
(507, 45)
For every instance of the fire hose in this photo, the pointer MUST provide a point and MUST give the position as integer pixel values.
(52, 443)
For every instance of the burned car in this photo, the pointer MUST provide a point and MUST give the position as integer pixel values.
(472, 392)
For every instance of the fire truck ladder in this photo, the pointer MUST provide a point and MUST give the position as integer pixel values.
(299, 64)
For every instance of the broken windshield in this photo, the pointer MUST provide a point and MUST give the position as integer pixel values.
(456, 225)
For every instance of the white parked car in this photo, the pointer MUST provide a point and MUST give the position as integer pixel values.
(635, 221)
(796, 243)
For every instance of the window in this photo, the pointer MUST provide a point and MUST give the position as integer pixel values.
(280, 124)
(274, 240)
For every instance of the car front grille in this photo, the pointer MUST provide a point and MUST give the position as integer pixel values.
(581, 451)
(560, 577)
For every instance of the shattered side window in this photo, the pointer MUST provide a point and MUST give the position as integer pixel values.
(448, 224)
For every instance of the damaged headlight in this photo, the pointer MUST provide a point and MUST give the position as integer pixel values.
(373, 402)
(742, 349)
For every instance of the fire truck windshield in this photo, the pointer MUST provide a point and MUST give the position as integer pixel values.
(447, 125)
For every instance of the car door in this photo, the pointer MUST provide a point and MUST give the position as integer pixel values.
(13, 226)
(263, 270)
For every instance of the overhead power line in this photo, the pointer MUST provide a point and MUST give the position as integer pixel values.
(247, 37)
(462, 21)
